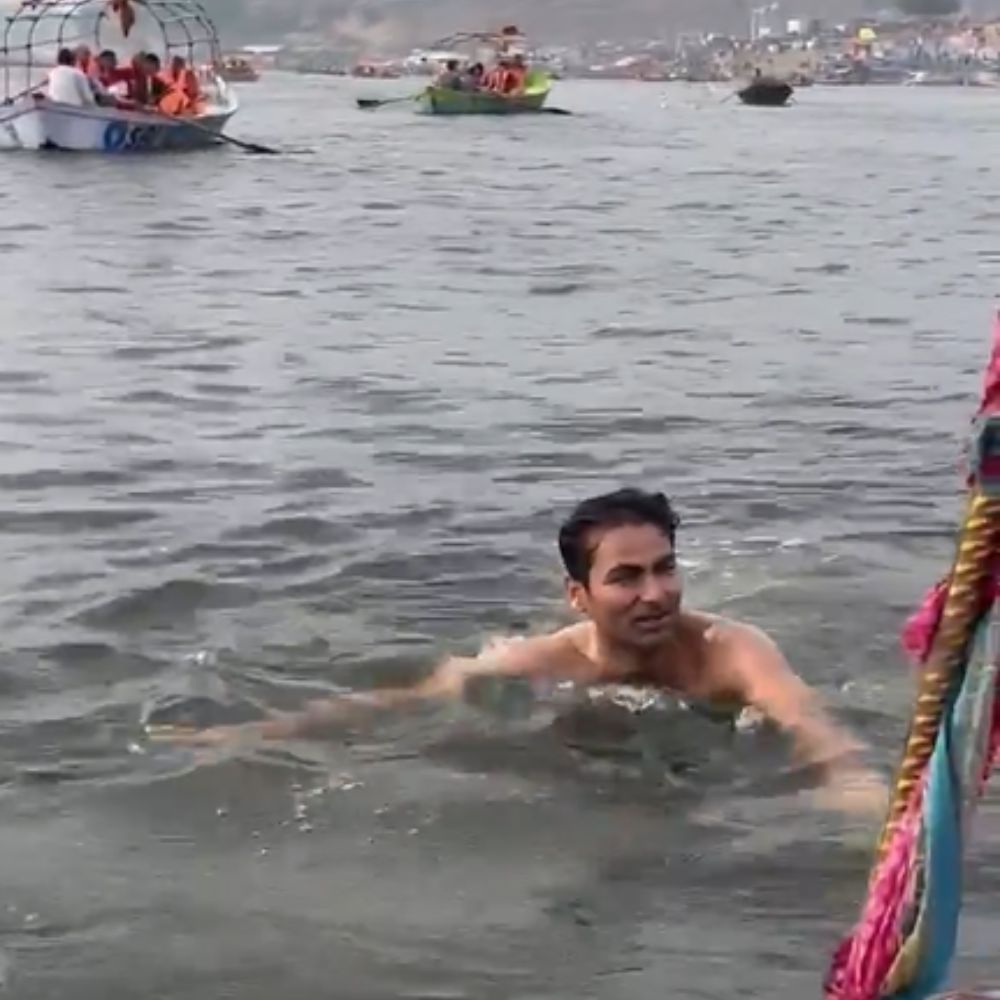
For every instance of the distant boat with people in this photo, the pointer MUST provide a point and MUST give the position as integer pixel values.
(487, 73)
(92, 99)
(237, 69)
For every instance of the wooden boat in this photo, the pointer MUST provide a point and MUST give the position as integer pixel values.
(444, 101)
(766, 92)
(236, 69)
(486, 48)
(30, 120)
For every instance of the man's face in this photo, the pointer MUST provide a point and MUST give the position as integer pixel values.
(107, 62)
(633, 594)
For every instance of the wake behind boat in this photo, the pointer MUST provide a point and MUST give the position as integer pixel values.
(98, 104)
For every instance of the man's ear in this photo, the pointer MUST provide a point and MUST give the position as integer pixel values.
(576, 594)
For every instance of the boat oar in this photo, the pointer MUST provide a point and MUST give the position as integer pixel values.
(371, 103)
(249, 147)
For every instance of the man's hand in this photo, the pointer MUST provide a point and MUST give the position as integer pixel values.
(318, 716)
(240, 736)
(857, 791)
(767, 682)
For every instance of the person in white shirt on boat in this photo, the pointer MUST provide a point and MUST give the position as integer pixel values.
(68, 84)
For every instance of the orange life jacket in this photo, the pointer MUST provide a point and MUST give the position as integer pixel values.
(174, 102)
(513, 80)
(184, 93)
(494, 79)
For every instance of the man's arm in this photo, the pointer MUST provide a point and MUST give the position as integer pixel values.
(769, 684)
(540, 656)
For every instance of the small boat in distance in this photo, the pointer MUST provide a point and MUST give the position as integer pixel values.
(448, 101)
(493, 79)
(130, 110)
(766, 92)
(485, 73)
(236, 69)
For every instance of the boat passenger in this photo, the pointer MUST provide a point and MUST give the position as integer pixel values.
(450, 78)
(113, 78)
(67, 83)
(472, 79)
(495, 77)
(155, 85)
(138, 85)
(84, 59)
(183, 94)
(514, 77)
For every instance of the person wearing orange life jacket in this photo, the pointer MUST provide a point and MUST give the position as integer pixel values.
(494, 79)
(515, 75)
(183, 94)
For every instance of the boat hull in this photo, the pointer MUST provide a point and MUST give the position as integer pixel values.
(37, 123)
(443, 101)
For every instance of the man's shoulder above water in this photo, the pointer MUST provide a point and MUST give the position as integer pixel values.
(705, 653)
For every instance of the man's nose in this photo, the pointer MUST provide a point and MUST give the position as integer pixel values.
(654, 588)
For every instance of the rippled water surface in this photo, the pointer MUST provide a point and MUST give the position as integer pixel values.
(273, 426)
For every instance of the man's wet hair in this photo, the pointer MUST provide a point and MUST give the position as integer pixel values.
(610, 510)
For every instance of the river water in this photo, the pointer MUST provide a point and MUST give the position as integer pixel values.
(275, 426)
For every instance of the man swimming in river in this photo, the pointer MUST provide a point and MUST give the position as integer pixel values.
(622, 576)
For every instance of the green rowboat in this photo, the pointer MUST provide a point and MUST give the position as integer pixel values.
(444, 101)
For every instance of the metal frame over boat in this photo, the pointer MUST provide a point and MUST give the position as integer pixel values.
(39, 28)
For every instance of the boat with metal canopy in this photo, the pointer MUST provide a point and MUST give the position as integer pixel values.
(39, 29)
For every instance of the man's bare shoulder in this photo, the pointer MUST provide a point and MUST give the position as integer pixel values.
(733, 651)
(561, 653)
(727, 633)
